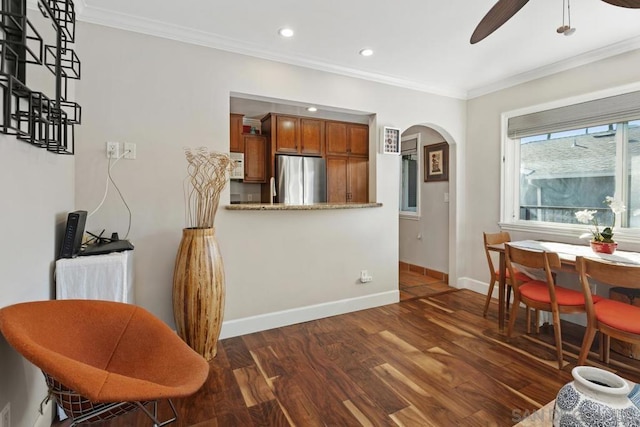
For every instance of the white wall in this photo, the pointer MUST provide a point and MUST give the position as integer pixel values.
(164, 95)
(36, 189)
(484, 146)
(431, 250)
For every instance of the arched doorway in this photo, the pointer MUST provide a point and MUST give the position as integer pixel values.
(425, 211)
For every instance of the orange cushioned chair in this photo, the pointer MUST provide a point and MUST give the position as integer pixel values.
(611, 318)
(495, 239)
(542, 295)
(101, 359)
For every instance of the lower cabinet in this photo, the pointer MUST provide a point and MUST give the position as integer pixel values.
(255, 158)
(347, 179)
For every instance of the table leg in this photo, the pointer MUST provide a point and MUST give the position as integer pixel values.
(502, 285)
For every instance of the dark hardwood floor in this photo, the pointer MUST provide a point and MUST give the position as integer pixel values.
(430, 360)
(414, 284)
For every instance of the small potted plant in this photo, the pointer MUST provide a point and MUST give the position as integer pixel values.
(601, 240)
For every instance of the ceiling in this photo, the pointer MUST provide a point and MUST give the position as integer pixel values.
(419, 44)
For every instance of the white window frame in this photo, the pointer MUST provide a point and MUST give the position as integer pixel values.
(510, 177)
(409, 214)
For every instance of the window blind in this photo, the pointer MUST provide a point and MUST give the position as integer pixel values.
(613, 109)
(409, 145)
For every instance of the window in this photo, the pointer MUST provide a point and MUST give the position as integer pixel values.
(410, 176)
(556, 166)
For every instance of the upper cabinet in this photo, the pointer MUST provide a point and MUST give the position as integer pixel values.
(286, 137)
(311, 136)
(347, 138)
(236, 144)
(294, 135)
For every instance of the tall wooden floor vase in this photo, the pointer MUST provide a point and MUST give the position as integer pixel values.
(198, 290)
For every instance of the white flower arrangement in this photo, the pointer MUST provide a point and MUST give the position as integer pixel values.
(606, 235)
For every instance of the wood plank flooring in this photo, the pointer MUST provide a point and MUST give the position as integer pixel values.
(432, 360)
(414, 284)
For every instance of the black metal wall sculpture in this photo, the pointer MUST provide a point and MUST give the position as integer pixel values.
(44, 120)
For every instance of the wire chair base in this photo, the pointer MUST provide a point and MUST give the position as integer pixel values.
(83, 411)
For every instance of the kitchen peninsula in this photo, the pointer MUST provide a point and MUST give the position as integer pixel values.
(314, 207)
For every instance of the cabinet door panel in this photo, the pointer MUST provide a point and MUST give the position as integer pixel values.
(337, 179)
(235, 134)
(311, 136)
(286, 134)
(255, 151)
(358, 139)
(336, 137)
(358, 179)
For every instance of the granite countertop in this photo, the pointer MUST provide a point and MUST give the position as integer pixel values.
(283, 207)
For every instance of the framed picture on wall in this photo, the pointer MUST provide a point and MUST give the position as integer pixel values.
(390, 140)
(436, 162)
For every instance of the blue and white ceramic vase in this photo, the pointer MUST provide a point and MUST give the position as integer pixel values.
(595, 398)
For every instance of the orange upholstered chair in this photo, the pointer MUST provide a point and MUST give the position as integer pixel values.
(542, 295)
(494, 239)
(101, 358)
(611, 318)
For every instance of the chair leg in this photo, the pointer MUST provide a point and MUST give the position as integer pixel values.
(514, 313)
(605, 343)
(528, 320)
(508, 298)
(537, 319)
(587, 341)
(488, 299)
(558, 334)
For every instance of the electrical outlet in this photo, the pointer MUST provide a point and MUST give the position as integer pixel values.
(249, 197)
(364, 277)
(5, 416)
(129, 150)
(113, 150)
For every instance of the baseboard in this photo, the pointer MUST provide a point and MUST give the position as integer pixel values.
(46, 418)
(476, 286)
(247, 325)
(425, 271)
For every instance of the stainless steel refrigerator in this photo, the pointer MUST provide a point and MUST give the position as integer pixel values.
(301, 180)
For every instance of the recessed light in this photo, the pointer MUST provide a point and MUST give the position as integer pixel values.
(312, 109)
(285, 32)
(366, 52)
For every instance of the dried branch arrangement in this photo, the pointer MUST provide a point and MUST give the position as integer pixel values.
(207, 175)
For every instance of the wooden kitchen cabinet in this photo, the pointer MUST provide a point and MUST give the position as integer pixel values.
(347, 179)
(236, 143)
(347, 138)
(286, 135)
(295, 135)
(255, 158)
(311, 136)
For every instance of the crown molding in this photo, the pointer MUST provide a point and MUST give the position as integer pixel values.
(136, 24)
(94, 15)
(557, 67)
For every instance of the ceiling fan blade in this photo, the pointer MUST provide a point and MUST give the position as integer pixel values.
(631, 4)
(500, 13)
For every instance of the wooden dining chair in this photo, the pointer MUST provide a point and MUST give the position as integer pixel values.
(495, 239)
(612, 318)
(541, 295)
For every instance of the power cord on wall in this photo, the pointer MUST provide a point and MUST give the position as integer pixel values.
(106, 190)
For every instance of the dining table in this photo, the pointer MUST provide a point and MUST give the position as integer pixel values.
(566, 252)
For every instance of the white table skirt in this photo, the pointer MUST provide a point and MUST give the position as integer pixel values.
(102, 277)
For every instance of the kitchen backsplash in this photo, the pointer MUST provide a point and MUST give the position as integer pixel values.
(245, 193)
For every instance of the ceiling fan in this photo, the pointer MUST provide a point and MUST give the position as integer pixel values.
(503, 10)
